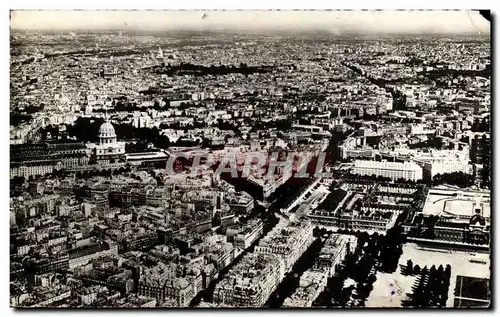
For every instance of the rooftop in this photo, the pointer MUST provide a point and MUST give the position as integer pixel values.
(445, 201)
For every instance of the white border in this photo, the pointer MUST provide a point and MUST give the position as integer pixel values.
(198, 4)
(247, 5)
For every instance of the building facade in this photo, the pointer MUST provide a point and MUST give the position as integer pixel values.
(393, 170)
(44, 158)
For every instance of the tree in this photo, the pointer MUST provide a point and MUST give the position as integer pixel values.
(432, 270)
(440, 269)
(447, 271)
(416, 269)
(85, 129)
(456, 178)
(409, 267)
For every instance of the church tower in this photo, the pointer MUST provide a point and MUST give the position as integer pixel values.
(160, 53)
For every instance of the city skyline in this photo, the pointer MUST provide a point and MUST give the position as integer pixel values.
(333, 22)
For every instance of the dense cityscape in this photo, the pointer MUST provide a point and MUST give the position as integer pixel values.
(400, 123)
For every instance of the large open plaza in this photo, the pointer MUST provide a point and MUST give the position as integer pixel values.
(460, 262)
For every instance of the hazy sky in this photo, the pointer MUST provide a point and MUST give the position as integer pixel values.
(334, 21)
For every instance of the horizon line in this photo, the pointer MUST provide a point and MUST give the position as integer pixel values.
(334, 22)
(240, 31)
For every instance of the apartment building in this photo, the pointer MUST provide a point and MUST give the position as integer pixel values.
(393, 170)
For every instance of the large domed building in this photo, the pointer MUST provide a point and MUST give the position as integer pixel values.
(107, 133)
(109, 150)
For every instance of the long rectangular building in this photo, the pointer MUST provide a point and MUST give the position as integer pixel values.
(393, 170)
(44, 158)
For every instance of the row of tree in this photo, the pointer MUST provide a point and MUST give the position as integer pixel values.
(373, 253)
(459, 179)
(431, 287)
(200, 70)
